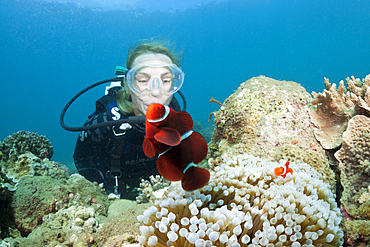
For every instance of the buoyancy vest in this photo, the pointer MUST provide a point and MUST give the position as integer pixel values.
(127, 160)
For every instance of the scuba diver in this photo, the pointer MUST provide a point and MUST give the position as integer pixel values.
(113, 154)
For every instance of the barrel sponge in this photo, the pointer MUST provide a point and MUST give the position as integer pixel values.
(246, 204)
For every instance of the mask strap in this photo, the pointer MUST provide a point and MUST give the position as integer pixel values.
(151, 56)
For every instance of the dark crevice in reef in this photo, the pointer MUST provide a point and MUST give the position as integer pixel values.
(334, 166)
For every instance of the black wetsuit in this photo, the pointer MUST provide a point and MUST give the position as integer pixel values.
(99, 151)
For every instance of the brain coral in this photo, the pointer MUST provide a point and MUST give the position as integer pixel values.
(23, 141)
(354, 161)
(245, 204)
(268, 118)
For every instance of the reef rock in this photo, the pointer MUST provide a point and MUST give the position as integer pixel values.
(270, 119)
(40, 195)
(72, 226)
(121, 229)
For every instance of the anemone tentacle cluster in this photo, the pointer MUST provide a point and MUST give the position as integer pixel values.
(246, 204)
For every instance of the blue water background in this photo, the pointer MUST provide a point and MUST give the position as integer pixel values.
(50, 50)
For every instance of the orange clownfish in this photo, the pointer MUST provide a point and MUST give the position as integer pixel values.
(171, 134)
(283, 170)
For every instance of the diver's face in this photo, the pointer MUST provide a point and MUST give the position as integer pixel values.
(155, 94)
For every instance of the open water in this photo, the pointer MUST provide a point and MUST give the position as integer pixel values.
(50, 50)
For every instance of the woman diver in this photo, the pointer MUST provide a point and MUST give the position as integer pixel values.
(113, 155)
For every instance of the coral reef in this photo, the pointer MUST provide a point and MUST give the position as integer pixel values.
(3, 181)
(245, 204)
(330, 113)
(28, 164)
(147, 188)
(332, 109)
(360, 93)
(354, 162)
(23, 141)
(21, 167)
(342, 118)
(270, 119)
(16, 162)
(39, 199)
(40, 195)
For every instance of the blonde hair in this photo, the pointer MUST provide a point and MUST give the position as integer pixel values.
(124, 102)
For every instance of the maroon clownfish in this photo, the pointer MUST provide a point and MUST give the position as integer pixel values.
(171, 134)
(283, 170)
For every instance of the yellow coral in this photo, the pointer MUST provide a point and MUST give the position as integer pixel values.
(365, 196)
(254, 118)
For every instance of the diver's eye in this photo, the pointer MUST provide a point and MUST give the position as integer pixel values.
(167, 80)
(142, 81)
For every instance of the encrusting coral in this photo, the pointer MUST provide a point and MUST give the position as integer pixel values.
(354, 161)
(246, 204)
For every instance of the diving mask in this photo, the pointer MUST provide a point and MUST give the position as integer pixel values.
(155, 79)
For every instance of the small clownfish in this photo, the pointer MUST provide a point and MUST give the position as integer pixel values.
(283, 170)
(170, 133)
